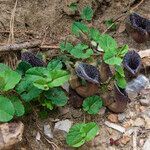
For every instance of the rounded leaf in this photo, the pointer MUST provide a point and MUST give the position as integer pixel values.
(80, 133)
(57, 96)
(18, 106)
(92, 104)
(6, 109)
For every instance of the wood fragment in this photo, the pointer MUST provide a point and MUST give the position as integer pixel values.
(19, 47)
(135, 140)
(144, 53)
(115, 126)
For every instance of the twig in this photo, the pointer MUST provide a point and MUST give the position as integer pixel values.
(19, 47)
(144, 53)
(22, 32)
(49, 47)
(115, 126)
(135, 140)
(137, 5)
(11, 35)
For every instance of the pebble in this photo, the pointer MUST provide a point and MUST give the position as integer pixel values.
(141, 142)
(128, 123)
(125, 139)
(76, 113)
(10, 134)
(113, 118)
(145, 102)
(121, 117)
(38, 136)
(63, 125)
(102, 111)
(139, 122)
(142, 109)
(48, 131)
(146, 145)
(147, 121)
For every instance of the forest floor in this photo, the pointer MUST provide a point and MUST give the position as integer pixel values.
(50, 21)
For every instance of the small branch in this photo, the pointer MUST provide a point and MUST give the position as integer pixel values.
(49, 47)
(144, 53)
(11, 35)
(115, 126)
(136, 6)
(135, 140)
(19, 47)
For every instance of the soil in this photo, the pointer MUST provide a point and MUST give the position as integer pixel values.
(50, 21)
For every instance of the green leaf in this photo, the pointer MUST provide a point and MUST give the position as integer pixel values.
(111, 58)
(41, 84)
(43, 114)
(107, 43)
(78, 28)
(91, 129)
(81, 51)
(66, 46)
(18, 106)
(73, 6)
(92, 104)
(57, 96)
(10, 77)
(120, 77)
(123, 50)
(48, 104)
(26, 89)
(38, 72)
(121, 82)
(59, 77)
(87, 13)
(2, 83)
(54, 64)
(80, 133)
(3, 67)
(111, 23)
(120, 70)
(6, 109)
(22, 67)
(94, 34)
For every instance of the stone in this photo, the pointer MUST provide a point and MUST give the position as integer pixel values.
(147, 121)
(145, 102)
(102, 111)
(48, 131)
(10, 134)
(38, 136)
(113, 118)
(76, 113)
(125, 139)
(142, 109)
(63, 125)
(141, 142)
(139, 122)
(146, 145)
(121, 117)
(63, 110)
(128, 123)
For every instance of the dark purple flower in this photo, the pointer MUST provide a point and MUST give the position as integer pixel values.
(88, 72)
(132, 62)
(32, 59)
(138, 27)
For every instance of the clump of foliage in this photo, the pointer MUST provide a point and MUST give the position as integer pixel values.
(93, 43)
(42, 84)
(81, 133)
(28, 84)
